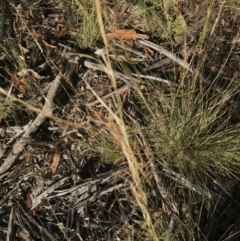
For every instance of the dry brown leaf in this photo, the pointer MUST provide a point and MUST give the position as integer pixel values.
(28, 200)
(55, 162)
(17, 81)
(49, 45)
(3, 131)
(124, 34)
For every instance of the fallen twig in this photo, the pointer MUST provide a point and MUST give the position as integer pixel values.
(47, 108)
(78, 190)
(167, 53)
(10, 224)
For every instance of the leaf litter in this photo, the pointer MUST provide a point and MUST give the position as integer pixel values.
(54, 183)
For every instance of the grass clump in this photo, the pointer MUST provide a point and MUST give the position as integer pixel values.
(81, 17)
(195, 131)
(191, 132)
(198, 134)
(161, 18)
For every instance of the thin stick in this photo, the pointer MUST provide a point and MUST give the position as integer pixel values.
(167, 53)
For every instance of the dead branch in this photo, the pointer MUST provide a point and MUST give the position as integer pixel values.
(47, 108)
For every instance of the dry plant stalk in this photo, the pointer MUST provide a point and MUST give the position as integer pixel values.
(121, 136)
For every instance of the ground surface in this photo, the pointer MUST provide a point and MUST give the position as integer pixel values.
(119, 135)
